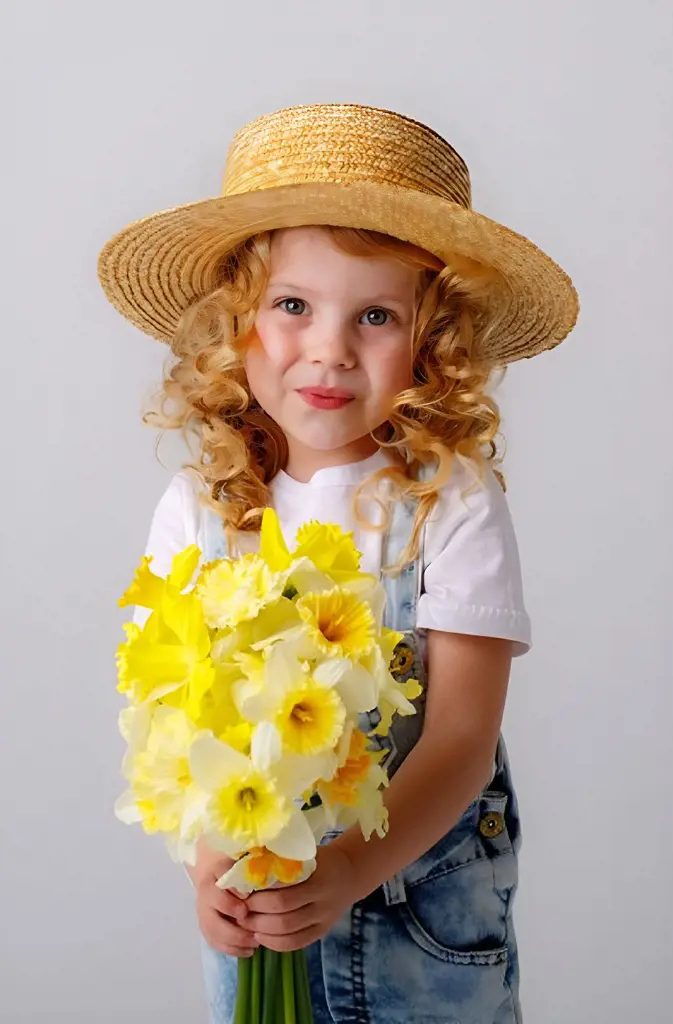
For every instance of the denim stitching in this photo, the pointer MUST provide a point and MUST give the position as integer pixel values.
(481, 958)
(357, 966)
(508, 920)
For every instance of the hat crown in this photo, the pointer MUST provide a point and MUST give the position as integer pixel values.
(343, 144)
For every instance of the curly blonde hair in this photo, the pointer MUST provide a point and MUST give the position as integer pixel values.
(446, 412)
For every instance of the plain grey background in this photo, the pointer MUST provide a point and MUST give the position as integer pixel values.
(563, 112)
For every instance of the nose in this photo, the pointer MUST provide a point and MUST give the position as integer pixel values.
(331, 345)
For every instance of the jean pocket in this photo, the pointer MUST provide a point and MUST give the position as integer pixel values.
(460, 916)
(457, 896)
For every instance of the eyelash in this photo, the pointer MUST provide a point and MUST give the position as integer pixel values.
(388, 312)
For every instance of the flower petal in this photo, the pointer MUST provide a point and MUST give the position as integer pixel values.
(184, 566)
(272, 546)
(331, 671)
(296, 841)
(235, 877)
(222, 844)
(318, 820)
(212, 762)
(146, 590)
(126, 808)
(358, 690)
(266, 746)
(295, 773)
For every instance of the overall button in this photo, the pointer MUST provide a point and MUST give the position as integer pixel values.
(403, 660)
(492, 824)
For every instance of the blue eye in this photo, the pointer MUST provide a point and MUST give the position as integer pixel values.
(287, 303)
(376, 312)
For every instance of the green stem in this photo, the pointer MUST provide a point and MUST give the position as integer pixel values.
(289, 1008)
(303, 988)
(241, 1014)
(256, 986)
(271, 1002)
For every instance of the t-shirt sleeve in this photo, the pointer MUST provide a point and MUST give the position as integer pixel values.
(174, 526)
(472, 573)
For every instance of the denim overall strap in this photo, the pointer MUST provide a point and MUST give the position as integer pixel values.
(211, 537)
(403, 588)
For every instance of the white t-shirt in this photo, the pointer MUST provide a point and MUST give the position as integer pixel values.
(471, 570)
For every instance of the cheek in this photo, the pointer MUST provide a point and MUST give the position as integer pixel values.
(268, 355)
(390, 371)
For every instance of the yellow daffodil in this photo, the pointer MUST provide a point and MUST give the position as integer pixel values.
(161, 788)
(397, 700)
(170, 653)
(149, 591)
(234, 591)
(304, 706)
(310, 718)
(219, 714)
(272, 546)
(393, 697)
(330, 549)
(238, 736)
(341, 624)
(248, 804)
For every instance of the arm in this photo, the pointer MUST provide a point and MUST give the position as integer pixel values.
(451, 763)
(468, 678)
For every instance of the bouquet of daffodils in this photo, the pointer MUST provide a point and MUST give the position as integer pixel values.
(248, 688)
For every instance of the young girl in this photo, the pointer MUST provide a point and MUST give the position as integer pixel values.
(336, 317)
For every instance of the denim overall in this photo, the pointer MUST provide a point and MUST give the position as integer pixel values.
(435, 943)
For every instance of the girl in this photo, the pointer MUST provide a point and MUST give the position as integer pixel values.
(336, 317)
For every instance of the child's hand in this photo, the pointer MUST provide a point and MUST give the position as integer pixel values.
(292, 918)
(220, 911)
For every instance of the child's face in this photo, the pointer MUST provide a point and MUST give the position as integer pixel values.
(332, 346)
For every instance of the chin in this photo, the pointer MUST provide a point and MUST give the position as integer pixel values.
(328, 440)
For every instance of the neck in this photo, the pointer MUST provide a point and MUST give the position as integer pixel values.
(303, 462)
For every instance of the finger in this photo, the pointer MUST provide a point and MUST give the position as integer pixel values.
(282, 924)
(225, 902)
(222, 932)
(279, 901)
(238, 951)
(288, 943)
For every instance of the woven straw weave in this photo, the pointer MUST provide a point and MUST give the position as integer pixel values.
(340, 164)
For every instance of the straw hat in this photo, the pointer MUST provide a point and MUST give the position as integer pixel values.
(339, 164)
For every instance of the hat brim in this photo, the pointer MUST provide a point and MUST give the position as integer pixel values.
(154, 268)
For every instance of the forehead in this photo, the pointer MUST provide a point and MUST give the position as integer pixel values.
(309, 256)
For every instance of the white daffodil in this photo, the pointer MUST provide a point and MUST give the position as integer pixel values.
(354, 793)
(251, 804)
(262, 869)
(162, 794)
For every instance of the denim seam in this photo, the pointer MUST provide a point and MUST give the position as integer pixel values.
(357, 967)
(508, 920)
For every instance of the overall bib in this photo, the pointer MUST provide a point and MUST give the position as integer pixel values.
(435, 943)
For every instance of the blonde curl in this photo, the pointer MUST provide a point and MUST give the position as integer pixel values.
(446, 413)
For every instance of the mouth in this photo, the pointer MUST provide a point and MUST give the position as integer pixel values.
(326, 398)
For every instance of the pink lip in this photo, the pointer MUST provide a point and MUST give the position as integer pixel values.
(326, 398)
